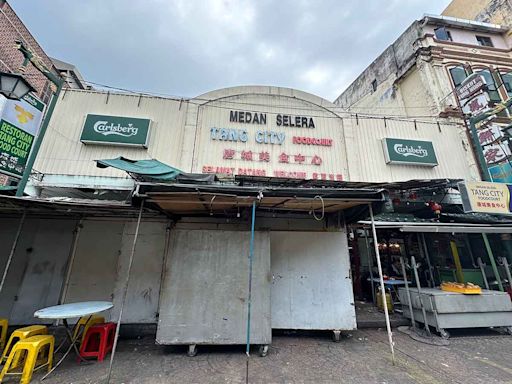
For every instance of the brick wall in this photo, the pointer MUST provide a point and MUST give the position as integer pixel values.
(12, 29)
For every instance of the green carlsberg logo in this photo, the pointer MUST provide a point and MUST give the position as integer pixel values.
(409, 150)
(106, 129)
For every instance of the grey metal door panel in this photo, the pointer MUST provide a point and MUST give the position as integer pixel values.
(42, 282)
(204, 292)
(312, 287)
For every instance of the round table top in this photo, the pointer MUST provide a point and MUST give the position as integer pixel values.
(72, 310)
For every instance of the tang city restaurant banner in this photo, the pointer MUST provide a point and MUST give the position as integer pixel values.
(482, 196)
(19, 124)
(272, 145)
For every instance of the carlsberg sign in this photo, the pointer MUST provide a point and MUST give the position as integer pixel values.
(413, 152)
(115, 130)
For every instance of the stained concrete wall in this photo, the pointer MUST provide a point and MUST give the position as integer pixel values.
(37, 273)
(487, 11)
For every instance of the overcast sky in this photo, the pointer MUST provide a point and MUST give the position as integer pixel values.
(188, 47)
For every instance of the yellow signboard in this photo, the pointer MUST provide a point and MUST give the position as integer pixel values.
(481, 196)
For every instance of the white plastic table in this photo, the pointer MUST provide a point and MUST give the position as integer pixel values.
(70, 311)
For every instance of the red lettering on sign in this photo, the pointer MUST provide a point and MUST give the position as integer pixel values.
(265, 156)
(299, 158)
(284, 158)
(247, 155)
(228, 154)
(316, 160)
(312, 141)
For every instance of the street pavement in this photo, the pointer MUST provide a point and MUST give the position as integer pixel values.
(362, 356)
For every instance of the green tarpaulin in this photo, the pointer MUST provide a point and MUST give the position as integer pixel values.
(147, 169)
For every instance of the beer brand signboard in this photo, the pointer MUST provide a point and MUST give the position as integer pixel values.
(409, 152)
(115, 130)
(482, 196)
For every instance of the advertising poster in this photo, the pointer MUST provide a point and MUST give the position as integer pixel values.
(19, 123)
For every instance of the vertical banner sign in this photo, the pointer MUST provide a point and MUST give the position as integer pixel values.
(19, 124)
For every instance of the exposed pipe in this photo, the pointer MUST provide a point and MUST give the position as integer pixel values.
(125, 291)
(13, 250)
(382, 288)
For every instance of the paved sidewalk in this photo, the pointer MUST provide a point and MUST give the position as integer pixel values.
(361, 357)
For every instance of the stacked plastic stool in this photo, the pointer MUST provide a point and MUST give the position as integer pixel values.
(98, 341)
(36, 352)
(21, 334)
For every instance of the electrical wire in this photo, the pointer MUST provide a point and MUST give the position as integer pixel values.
(323, 209)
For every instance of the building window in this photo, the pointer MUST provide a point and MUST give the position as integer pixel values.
(506, 79)
(374, 85)
(492, 89)
(442, 34)
(458, 75)
(484, 41)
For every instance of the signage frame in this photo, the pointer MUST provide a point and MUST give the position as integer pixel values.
(391, 159)
(97, 117)
(496, 201)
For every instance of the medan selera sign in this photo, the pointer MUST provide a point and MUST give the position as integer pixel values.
(290, 143)
(115, 130)
(19, 124)
(482, 196)
(412, 152)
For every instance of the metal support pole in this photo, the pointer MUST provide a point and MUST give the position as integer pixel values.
(482, 269)
(504, 261)
(39, 140)
(74, 245)
(13, 249)
(418, 285)
(249, 293)
(164, 259)
(493, 262)
(370, 265)
(125, 291)
(408, 292)
(479, 152)
(427, 257)
(382, 288)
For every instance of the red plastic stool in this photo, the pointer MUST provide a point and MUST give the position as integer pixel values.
(98, 341)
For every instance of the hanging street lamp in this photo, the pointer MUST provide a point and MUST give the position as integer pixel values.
(14, 86)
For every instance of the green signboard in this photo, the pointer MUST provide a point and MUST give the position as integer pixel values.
(19, 124)
(413, 152)
(115, 130)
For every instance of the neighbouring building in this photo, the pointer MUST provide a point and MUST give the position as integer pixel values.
(11, 30)
(487, 11)
(70, 74)
(417, 75)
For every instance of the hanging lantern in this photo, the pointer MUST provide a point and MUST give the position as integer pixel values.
(435, 207)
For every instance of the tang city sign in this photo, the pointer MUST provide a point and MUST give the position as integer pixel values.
(253, 130)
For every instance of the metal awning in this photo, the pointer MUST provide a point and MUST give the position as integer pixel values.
(440, 227)
(188, 199)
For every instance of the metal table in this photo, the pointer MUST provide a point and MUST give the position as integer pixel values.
(70, 311)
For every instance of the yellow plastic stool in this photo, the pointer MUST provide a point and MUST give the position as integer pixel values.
(30, 349)
(86, 322)
(22, 334)
(3, 333)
